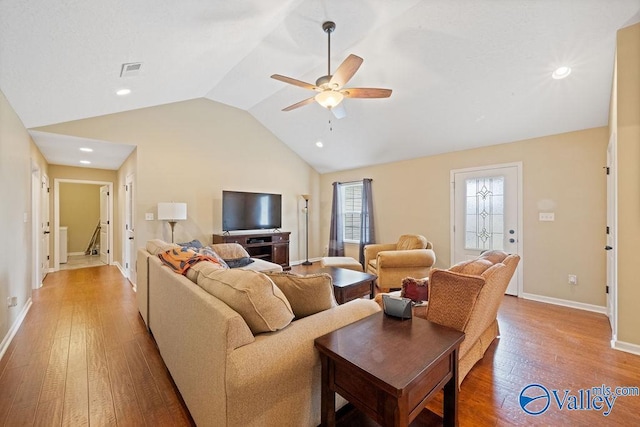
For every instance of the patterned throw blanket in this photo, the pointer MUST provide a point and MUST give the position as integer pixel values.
(181, 259)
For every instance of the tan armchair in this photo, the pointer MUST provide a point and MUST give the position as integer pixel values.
(466, 297)
(411, 256)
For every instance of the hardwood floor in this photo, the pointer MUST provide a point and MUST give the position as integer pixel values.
(83, 357)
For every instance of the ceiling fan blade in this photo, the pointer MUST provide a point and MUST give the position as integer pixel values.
(299, 104)
(339, 111)
(294, 82)
(345, 71)
(366, 92)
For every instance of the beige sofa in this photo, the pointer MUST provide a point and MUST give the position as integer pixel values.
(227, 375)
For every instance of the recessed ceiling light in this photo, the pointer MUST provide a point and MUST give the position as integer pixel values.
(86, 150)
(85, 162)
(561, 72)
(319, 144)
(123, 92)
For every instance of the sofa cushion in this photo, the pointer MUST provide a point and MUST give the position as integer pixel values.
(474, 267)
(251, 294)
(308, 294)
(156, 246)
(411, 241)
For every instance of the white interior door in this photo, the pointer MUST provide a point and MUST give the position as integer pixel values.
(44, 227)
(104, 224)
(129, 238)
(487, 214)
(612, 277)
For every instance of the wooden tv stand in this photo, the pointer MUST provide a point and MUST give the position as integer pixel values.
(272, 247)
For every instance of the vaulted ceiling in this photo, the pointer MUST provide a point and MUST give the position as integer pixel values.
(464, 73)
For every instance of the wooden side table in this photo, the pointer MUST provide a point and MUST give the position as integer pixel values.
(389, 368)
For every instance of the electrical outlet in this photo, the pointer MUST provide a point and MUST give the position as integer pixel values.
(12, 301)
(148, 216)
(573, 279)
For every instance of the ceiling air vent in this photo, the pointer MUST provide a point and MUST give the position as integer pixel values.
(131, 69)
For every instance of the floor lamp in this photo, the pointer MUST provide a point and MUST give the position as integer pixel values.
(306, 198)
(172, 212)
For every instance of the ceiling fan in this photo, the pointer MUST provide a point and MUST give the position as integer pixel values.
(330, 88)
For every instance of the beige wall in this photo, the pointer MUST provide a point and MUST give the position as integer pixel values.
(79, 212)
(62, 173)
(413, 197)
(627, 128)
(18, 156)
(190, 151)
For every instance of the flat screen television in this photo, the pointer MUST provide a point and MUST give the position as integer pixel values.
(251, 211)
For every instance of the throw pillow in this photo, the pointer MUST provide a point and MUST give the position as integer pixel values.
(213, 254)
(308, 294)
(415, 289)
(238, 262)
(251, 294)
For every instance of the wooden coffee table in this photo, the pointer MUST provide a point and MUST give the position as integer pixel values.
(389, 368)
(350, 284)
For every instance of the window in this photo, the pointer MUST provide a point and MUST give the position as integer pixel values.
(351, 210)
(484, 223)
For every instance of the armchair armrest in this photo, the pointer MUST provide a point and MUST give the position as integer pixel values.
(371, 251)
(452, 297)
(406, 258)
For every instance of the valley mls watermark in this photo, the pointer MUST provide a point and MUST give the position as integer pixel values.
(535, 399)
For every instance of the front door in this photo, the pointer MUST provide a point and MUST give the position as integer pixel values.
(487, 214)
(104, 224)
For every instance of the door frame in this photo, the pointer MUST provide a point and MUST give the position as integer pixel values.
(612, 238)
(36, 218)
(56, 216)
(520, 221)
(129, 229)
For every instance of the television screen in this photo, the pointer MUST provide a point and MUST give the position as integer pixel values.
(251, 211)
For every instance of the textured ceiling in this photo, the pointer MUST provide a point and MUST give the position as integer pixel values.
(464, 73)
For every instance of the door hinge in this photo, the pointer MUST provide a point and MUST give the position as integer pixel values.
(608, 230)
(606, 289)
(47, 257)
(108, 251)
(108, 223)
(126, 187)
(48, 189)
(126, 227)
(108, 194)
(608, 169)
(126, 265)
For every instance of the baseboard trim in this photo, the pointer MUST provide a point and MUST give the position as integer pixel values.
(626, 347)
(14, 328)
(565, 303)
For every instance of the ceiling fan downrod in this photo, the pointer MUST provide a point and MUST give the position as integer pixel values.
(328, 28)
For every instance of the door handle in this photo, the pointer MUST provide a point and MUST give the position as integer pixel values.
(608, 248)
(130, 238)
(47, 232)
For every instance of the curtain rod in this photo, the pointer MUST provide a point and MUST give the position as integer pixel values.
(352, 182)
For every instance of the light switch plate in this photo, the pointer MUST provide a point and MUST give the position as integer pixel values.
(547, 216)
(148, 216)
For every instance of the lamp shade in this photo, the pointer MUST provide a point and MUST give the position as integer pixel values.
(172, 211)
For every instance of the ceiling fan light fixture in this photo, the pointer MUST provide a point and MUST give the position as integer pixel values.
(329, 98)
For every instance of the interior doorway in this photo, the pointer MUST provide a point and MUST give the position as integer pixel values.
(486, 214)
(612, 237)
(102, 244)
